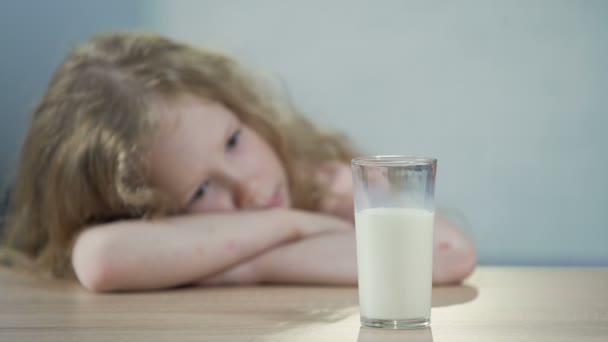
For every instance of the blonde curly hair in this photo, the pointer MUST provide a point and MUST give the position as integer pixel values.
(83, 159)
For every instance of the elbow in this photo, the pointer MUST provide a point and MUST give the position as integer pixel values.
(93, 262)
(453, 266)
(467, 262)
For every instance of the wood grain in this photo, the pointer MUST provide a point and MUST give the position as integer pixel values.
(495, 304)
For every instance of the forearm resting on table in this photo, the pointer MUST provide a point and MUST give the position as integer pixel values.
(327, 259)
(140, 254)
(330, 259)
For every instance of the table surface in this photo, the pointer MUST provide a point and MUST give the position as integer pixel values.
(494, 304)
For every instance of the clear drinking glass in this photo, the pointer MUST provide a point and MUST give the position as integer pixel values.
(394, 216)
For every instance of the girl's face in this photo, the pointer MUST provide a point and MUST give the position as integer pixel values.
(209, 161)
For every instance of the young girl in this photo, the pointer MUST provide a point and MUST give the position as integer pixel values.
(152, 164)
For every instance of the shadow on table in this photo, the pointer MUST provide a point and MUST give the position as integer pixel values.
(453, 295)
(385, 335)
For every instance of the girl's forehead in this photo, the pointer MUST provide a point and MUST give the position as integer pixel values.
(176, 111)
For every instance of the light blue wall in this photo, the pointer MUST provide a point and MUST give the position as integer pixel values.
(511, 96)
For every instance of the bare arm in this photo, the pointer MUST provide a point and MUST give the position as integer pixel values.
(331, 259)
(173, 251)
(454, 256)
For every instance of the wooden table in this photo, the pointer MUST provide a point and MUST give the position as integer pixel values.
(495, 304)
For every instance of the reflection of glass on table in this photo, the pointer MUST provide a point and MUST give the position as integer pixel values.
(377, 335)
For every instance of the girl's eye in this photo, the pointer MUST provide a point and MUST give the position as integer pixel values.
(200, 192)
(233, 141)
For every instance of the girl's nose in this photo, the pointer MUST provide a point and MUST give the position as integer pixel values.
(248, 195)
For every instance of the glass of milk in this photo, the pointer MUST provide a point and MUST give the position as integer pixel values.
(394, 215)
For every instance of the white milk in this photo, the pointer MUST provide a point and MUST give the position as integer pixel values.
(395, 262)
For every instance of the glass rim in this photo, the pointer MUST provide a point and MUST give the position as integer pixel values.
(393, 160)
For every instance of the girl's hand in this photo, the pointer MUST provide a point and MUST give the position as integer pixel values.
(336, 179)
(328, 259)
(310, 223)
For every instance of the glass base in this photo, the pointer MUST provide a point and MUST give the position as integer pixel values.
(396, 324)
